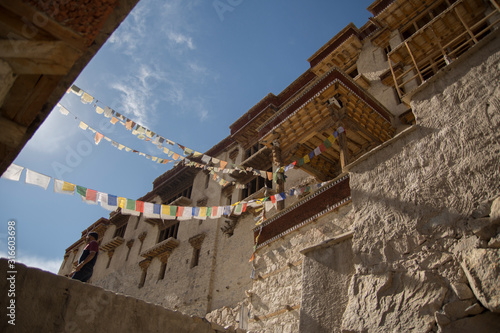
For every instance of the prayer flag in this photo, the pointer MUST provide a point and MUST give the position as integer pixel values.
(311, 155)
(83, 126)
(149, 210)
(139, 206)
(99, 110)
(187, 213)
(322, 147)
(273, 198)
(63, 187)
(206, 159)
(108, 112)
(36, 178)
(165, 213)
(238, 209)
(77, 91)
(332, 138)
(90, 196)
(98, 137)
(129, 124)
(317, 151)
(305, 159)
(341, 130)
(180, 209)
(86, 98)
(108, 201)
(327, 143)
(209, 211)
(113, 120)
(187, 151)
(173, 211)
(63, 110)
(13, 172)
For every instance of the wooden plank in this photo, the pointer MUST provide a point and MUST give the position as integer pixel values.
(22, 86)
(33, 102)
(11, 133)
(33, 66)
(55, 29)
(53, 52)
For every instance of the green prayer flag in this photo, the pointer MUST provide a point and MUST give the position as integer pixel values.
(81, 190)
(173, 210)
(130, 204)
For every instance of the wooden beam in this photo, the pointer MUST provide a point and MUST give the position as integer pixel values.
(55, 29)
(39, 67)
(55, 51)
(11, 133)
(344, 150)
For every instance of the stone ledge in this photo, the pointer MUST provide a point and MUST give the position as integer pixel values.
(328, 243)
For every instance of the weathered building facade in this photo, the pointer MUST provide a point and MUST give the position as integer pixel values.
(401, 234)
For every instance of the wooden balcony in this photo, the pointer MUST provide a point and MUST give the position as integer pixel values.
(440, 41)
(326, 199)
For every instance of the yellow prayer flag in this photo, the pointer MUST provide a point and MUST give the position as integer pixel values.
(165, 210)
(203, 211)
(331, 138)
(122, 202)
(68, 186)
(306, 159)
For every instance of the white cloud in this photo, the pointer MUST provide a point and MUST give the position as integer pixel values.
(138, 93)
(181, 39)
(50, 265)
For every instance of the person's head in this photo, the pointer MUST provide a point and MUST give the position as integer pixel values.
(93, 235)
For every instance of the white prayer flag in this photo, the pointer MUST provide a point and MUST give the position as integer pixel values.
(63, 110)
(148, 211)
(36, 178)
(13, 172)
(187, 214)
(104, 199)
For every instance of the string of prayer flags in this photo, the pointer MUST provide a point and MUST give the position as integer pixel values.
(13, 172)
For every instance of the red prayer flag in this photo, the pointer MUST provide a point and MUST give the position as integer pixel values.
(180, 210)
(322, 147)
(139, 206)
(91, 195)
(273, 199)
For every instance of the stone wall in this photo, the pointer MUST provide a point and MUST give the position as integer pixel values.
(425, 235)
(50, 303)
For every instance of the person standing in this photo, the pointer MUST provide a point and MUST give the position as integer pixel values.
(85, 267)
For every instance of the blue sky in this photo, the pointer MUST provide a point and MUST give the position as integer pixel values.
(186, 69)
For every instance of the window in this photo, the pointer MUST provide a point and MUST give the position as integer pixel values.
(207, 180)
(256, 184)
(252, 150)
(120, 231)
(196, 257)
(163, 269)
(184, 193)
(353, 73)
(170, 231)
(143, 278)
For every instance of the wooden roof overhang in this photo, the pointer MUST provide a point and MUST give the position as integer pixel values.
(44, 45)
(444, 38)
(310, 119)
(112, 244)
(163, 248)
(342, 51)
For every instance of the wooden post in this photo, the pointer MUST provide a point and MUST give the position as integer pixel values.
(414, 62)
(280, 186)
(344, 150)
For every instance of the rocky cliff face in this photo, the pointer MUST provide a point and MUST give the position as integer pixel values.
(426, 231)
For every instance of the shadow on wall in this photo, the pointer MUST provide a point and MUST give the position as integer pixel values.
(45, 302)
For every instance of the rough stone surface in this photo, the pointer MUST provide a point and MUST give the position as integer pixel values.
(397, 297)
(457, 309)
(482, 268)
(462, 290)
(412, 201)
(331, 268)
(488, 322)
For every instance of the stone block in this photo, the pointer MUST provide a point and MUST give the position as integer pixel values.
(494, 243)
(457, 309)
(474, 309)
(441, 319)
(484, 228)
(482, 269)
(488, 322)
(462, 290)
(495, 209)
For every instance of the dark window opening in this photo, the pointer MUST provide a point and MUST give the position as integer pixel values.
(168, 232)
(143, 279)
(408, 32)
(252, 150)
(120, 231)
(424, 20)
(256, 184)
(163, 269)
(354, 73)
(184, 193)
(196, 257)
